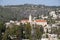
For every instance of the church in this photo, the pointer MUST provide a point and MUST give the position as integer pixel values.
(31, 21)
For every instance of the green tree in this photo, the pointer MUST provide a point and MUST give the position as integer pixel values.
(14, 31)
(28, 31)
(5, 36)
(41, 29)
(2, 29)
(38, 33)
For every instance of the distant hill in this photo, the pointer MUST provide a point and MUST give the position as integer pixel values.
(18, 12)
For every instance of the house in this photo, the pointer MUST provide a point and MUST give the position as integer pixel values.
(41, 22)
(17, 23)
(7, 24)
(44, 17)
(53, 36)
(11, 22)
(44, 38)
(52, 13)
(25, 21)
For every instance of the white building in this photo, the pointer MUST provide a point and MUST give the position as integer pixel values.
(9, 24)
(52, 36)
(37, 21)
(44, 39)
(40, 22)
(44, 17)
(11, 21)
(52, 13)
(17, 23)
(49, 28)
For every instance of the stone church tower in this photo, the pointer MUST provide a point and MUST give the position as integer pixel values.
(30, 18)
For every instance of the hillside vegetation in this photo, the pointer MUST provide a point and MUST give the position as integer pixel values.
(18, 12)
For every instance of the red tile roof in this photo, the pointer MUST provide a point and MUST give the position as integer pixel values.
(40, 20)
(25, 20)
(35, 20)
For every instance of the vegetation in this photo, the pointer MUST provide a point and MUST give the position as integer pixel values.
(12, 33)
(39, 32)
(28, 31)
(2, 29)
(17, 12)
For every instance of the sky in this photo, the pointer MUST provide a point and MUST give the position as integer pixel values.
(19, 2)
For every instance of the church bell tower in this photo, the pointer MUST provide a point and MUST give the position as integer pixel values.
(30, 18)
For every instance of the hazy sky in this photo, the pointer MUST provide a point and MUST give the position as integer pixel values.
(18, 2)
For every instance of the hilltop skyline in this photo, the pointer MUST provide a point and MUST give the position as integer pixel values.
(37, 2)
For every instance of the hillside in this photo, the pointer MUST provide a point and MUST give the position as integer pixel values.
(18, 12)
